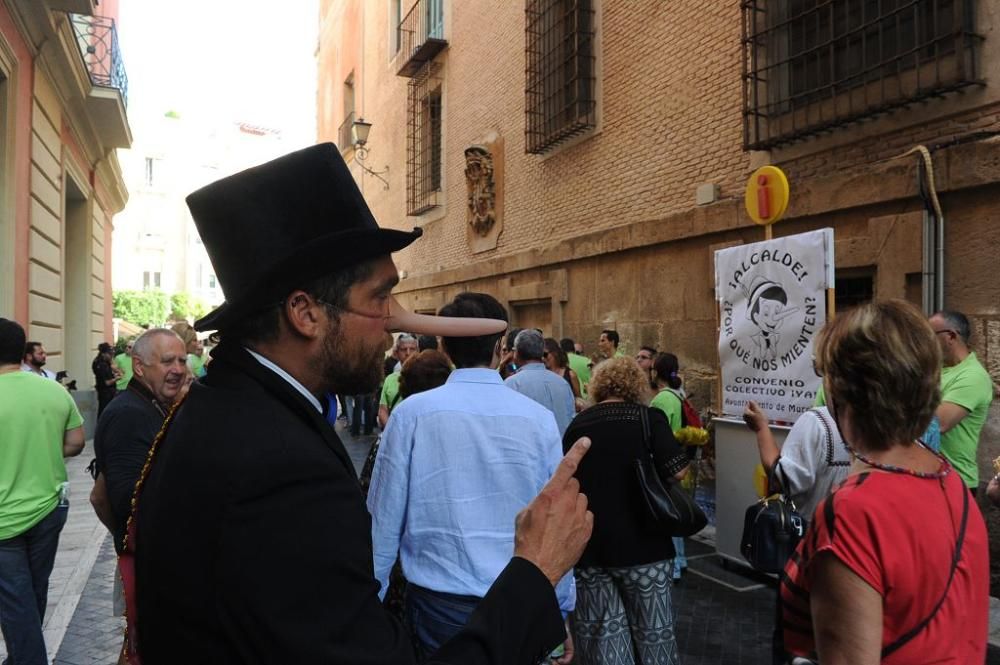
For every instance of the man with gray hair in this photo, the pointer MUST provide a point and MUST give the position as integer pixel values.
(966, 393)
(533, 380)
(126, 429)
(406, 346)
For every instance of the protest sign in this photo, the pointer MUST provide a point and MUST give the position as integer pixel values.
(772, 301)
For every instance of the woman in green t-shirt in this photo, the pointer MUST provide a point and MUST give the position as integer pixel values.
(669, 395)
(668, 398)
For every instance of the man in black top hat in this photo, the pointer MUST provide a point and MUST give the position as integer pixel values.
(251, 542)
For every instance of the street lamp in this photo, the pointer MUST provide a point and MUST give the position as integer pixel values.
(359, 132)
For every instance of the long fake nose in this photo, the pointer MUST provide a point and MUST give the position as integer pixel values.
(402, 320)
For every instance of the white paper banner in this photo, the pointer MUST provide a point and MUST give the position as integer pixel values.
(772, 302)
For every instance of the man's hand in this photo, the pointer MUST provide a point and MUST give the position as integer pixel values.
(993, 490)
(101, 503)
(555, 527)
(568, 651)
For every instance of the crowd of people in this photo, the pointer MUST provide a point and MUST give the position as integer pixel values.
(498, 518)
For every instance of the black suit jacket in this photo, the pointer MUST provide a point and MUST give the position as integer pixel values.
(254, 544)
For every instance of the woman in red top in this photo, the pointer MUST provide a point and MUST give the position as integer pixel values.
(873, 579)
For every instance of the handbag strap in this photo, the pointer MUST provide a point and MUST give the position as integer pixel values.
(644, 420)
(913, 632)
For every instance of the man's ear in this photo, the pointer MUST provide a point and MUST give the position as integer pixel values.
(302, 314)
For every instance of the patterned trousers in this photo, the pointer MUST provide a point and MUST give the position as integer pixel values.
(624, 616)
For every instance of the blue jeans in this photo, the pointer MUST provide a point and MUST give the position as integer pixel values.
(680, 561)
(434, 617)
(25, 565)
(362, 416)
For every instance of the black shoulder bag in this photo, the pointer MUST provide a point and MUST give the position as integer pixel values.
(666, 500)
(772, 529)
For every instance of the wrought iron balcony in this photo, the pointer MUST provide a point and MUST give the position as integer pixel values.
(421, 36)
(345, 134)
(98, 40)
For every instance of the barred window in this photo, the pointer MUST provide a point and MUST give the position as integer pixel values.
(559, 72)
(811, 65)
(423, 141)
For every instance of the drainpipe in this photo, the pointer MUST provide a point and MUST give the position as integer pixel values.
(933, 233)
(939, 267)
(928, 283)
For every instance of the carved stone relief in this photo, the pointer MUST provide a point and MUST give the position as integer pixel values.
(484, 187)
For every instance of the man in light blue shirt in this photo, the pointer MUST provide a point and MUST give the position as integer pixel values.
(534, 380)
(456, 465)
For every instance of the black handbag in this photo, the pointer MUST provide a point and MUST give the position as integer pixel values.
(772, 529)
(666, 500)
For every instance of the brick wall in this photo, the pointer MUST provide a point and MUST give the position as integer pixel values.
(655, 142)
(670, 119)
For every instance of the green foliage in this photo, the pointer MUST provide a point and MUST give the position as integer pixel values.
(183, 306)
(143, 308)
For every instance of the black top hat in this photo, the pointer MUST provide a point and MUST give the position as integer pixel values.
(280, 225)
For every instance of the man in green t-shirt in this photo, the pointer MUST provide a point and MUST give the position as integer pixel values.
(39, 426)
(966, 393)
(406, 346)
(579, 364)
(123, 361)
(196, 358)
(608, 342)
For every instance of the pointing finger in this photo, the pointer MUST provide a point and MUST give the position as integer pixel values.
(567, 467)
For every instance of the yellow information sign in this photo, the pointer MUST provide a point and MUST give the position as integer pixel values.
(767, 195)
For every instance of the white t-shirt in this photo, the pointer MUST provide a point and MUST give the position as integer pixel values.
(814, 459)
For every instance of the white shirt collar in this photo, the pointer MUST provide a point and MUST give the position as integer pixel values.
(287, 377)
(25, 367)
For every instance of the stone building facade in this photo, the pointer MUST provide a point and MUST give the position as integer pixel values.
(665, 112)
(62, 116)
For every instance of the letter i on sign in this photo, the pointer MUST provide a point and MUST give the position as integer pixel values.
(763, 198)
(766, 197)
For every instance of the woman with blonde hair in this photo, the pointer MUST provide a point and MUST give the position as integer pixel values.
(894, 568)
(623, 609)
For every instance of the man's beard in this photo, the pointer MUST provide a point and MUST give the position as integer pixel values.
(350, 367)
(37, 364)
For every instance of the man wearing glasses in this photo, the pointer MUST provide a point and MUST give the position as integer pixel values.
(966, 393)
(645, 361)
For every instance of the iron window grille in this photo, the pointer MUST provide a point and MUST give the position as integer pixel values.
(812, 65)
(97, 38)
(559, 72)
(423, 140)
